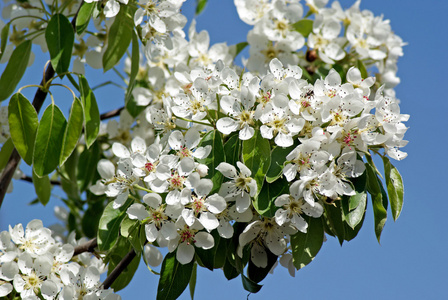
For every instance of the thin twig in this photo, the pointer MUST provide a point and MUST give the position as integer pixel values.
(111, 114)
(86, 247)
(119, 268)
(30, 179)
(38, 101)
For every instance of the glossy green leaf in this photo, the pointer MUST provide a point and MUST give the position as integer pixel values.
(232, 149)
(193, 278)
(42, 186)
(305, 246)
(83, 18)
(87, 163)
(67, 173)
(119, 37)
(213, 138)
(257, 157)
(14, 69)
(5, 153)
(200, 6)
(278, 157)
(395, 190)
(379, 211)
(23, 123)
(115, 256)
(72, 131)
(49, 136)
(250, 285)
(137, 237)
(4, 39)
(109, 225)
(131, 106)
(304, 27)
(264, 203)
(60, 38)
(333, 215)
(91, 112)
(353, 216)
(174, 277)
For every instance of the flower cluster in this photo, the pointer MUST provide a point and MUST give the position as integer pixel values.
(35, 266)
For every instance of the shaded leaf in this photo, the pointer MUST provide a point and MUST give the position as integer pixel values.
(395, 189)
(91, 219)
(42, 186)
(5, 152)
(257, 274)
(14, 69)
(264, 203)
(213, 138)
(83, 18)
(304, 27)
(250, 285)
(333, 215)
(72, 131)
(60, 37)
(91, 112)
(232, 149)
(4, 39)
(305, 246)
(174, 277)
(379, 211)
(23, 123)
(131, 106)
(87, 166)
(192, 282)
(353, 216)
(278, 157)
(49, 136)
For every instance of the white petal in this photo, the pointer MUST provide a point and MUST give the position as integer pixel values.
(137, 211)
(227, 170)
(203, 187)
(227, 125)
(185, 253)
(106, 168)
(215, 203)
(120, 150)
(152, 199)
(208, 220)
(152, 255)
(176, 140)
(225, 230)
(243, 169)
(204, 240)
(151, 232)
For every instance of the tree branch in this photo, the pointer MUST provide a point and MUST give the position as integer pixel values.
(30, 179)
(111, 114)
(38, 101)
(86, 247)
(118, 269)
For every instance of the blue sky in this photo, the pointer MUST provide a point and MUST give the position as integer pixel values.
(411, 262)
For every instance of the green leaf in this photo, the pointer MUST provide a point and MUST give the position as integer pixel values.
(60, 37)
(137, 237)
(304, 27)
(237, 48)
(5, 153)
(213, 138)
(4, 39)
(230, 272)
(87, 163)
(395, 189)
(131, 106)
(333, 216)
(264, 203)
(379, 211)
(220, 253)
(362, 68)
(192, 282)
(119, 37)
(49, 136)
(257, 274)
(91, 219)
(83, 18)
(278, 157)
(305, 246)
(174, 277)
(115, 256)
(73, 130)
(353, 216)
(232, 149)
(14, 69)
(207, 257)
(23, 123)
(68, 176)
(250, 285)
(200, 5)
(109, 225)
(91, 112)
(257, 157)
(42, 186)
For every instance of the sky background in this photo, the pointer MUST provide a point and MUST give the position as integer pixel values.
(412, 260)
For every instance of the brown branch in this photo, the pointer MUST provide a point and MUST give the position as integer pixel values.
(38, 101)
(30, 179)
(118, 269)
(111, 114)
(86, 247)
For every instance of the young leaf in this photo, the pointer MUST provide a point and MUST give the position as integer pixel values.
(119, 37)
(213, 138)
(49, 136)
(4, 39)
(257, 157)
(73, 130)
(23, 123)
(5, 152)
(200, 5)
(250, 285)
(304, 27)
(87, 163)
(174, 277)
(109, 225)
(305, 246)
(395, 189)
(84, 14)
(232, 149)
(91, 112)
(237, 48)
(278, 157)
(264, 203)
(42, 186)
(14, 69)
(379, 211)
(60, 37)
(362, 68)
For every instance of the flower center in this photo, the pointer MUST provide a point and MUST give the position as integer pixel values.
(187, 235)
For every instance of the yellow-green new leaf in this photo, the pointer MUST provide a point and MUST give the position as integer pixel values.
(4, 39)
(23, 123)
(72, 131)
(60, 36)
(50, 134)
(14, 69)
(84, 14)
(5, 152)
(42, 186)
